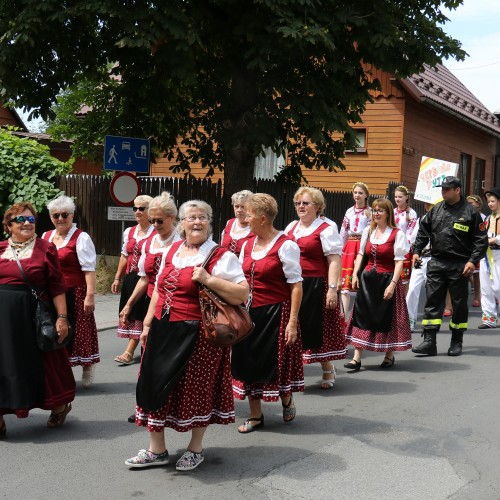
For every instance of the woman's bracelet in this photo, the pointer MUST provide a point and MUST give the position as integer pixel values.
(63, 316)
(116, 279)
(395, 282)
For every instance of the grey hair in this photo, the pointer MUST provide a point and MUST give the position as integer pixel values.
(166, 203)
(240, 196)
(62, 204)
(143, 199)
(202, 205)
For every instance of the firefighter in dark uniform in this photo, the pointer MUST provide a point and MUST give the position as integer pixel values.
(458, 242)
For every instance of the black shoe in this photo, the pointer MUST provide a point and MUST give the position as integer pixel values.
(456, 343)
(131, 419)
(428, 346)
(353, 365)
(484, 326)
(388, 362)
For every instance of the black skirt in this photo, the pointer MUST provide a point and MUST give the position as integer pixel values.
(21, 362)
(255, 359)
(167, 352)
(140, 308)
(371, 312)
(311, 313)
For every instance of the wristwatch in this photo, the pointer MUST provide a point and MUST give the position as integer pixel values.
(332, 286)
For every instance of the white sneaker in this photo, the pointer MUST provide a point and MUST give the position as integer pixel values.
(88, 375)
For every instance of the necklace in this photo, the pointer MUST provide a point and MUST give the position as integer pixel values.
(261, 243)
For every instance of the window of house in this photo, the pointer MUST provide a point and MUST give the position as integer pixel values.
(268, 165)
(478, 184)
(464, 172)
(360, 135)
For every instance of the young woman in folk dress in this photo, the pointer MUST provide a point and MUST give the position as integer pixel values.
(406, 219)
(355, 220)
(320, 319)
(379, 321)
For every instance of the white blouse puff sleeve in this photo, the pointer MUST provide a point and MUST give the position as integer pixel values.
(331, 242)
(289, 254)
(401, 245)
(125, 241)
(85, 249)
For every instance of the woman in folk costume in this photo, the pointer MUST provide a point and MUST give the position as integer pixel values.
(355, 220)
(320, 319)
(489, 270)
(406, 219)
(237, 229)
(379, 321)
(128, 266)
(267, 365)
(77, 258)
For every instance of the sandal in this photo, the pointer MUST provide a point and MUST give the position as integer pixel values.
(476, 303)
(248, 427)
(330, 382)
(289, 411)
(447, 312)
(58, 419)
(127, 358)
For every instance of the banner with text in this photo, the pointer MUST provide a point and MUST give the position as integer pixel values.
(432, 172)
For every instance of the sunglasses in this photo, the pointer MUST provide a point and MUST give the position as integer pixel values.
(21, 219)
(156, 221)
(64, 215)
(305, 203)
(141, 209)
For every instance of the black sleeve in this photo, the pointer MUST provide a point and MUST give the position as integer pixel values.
(423, 234)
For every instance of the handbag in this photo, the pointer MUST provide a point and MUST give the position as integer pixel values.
(223, 324)
(45, 319)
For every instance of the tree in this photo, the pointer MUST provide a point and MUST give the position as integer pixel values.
(229, 77)
(27, 171)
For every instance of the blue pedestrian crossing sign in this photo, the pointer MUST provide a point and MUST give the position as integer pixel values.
(127, 154)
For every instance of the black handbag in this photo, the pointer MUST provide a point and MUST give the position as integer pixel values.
(45, 319)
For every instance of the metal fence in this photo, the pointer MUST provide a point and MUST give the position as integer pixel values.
(92, 200)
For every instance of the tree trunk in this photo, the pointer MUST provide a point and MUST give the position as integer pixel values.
(238, 171)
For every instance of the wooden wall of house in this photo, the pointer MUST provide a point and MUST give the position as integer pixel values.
(429, 132)
(8, 118)
(384, 122)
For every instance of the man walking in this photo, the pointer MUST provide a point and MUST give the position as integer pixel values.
(458, 242)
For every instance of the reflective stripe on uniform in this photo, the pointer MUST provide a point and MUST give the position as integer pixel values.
(458, 326)
(431, 322)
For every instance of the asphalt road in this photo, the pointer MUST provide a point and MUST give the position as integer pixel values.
(424, 429)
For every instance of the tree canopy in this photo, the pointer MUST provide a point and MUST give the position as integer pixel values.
(227, 77)
(27, 171)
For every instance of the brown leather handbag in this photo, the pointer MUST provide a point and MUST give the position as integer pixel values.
(223, 324)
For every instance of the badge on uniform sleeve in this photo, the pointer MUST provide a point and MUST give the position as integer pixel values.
(482, 227)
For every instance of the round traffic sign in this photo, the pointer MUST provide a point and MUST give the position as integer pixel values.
(124, 189)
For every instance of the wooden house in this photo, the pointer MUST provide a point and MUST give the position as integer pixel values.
(428, 114)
